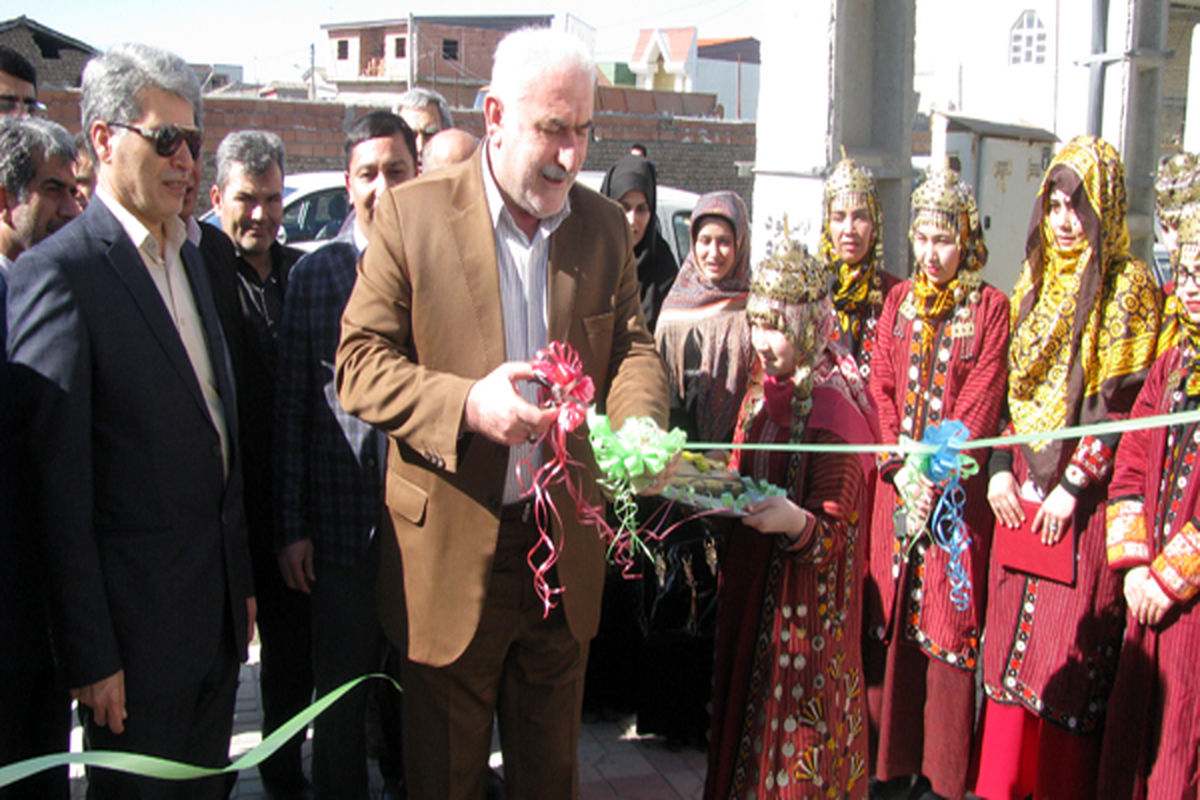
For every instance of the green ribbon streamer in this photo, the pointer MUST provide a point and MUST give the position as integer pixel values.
(1095, 429)
(155, 767)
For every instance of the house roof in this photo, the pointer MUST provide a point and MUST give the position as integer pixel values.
(48, 40)
(729, 49)
(494, 23)
(674, 43)
(999, 130)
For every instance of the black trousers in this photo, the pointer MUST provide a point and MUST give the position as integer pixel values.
(285, 671)
(191, 724)
(347, 643)
(35, 720)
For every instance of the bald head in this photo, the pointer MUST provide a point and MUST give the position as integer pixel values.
(447, 147)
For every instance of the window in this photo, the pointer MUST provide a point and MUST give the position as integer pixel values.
(401, 43)
(343, 47)
(1028, 40)
(450, 49)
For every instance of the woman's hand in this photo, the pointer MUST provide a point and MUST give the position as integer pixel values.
(916, 491)
(1135, 580)
(1155, 602)
(778, 515)
(1004, 500)
(1054, 516)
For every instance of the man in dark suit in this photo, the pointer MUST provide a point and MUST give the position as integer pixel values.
(329, 470)
(469, 272)
(249, 290)
(37, 185)
(124, 387)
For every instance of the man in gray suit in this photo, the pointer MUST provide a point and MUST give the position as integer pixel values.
(123, 384)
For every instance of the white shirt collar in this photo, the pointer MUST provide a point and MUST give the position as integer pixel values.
(499, 211)
(175, 229)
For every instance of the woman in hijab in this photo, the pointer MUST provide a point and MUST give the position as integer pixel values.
(942, 354)
(1152, 734)
(632, 182)
(789, 714)
(852, 249)
(704, 337)
(1085, 318)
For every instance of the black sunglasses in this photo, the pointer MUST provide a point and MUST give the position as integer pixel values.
(11, 102)
(168, 138)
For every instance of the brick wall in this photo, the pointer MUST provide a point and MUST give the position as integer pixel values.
(697, 155)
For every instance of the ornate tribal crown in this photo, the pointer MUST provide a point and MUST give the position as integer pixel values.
(1177, 185)
(849, 182)
(789, 273)
(943, 199)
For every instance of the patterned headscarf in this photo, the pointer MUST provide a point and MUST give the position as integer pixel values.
(709, 315)
(692, 288)
(858, 288)
(1084, 320)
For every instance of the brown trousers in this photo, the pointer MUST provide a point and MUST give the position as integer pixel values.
(524, 669)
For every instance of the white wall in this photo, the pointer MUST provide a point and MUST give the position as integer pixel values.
(349, 67)
(721, 77)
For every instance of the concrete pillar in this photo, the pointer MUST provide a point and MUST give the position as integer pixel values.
(1133, 118)
(835, 73)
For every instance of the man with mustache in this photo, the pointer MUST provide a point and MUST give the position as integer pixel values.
(470, 271)
(124, 391)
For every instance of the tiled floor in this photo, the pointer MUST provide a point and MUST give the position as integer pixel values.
(613, 761)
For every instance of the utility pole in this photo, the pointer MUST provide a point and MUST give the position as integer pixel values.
(312, 71)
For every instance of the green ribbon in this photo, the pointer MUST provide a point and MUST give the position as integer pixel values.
(155, 767)
(1079, 431)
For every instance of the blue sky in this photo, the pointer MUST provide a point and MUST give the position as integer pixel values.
(271, 39)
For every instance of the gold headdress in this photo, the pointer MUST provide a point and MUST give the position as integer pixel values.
(944, 201)
(849, 184)
(789, 291)
(1176, 186)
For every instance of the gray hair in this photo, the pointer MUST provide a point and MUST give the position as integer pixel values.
(526, 54)
(112, 83)
(25, 142)
(420, 97)
(254, 150)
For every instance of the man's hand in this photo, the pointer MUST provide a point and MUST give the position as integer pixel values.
(1054, 515)
(296, 564)
(654, 484)
(106, 699)
(495, 409)
(251, 615)
(1006, 503)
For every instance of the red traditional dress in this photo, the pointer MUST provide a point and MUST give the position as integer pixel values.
(1152, 740)
(1084, 334)
(922, 649)
(789, 714)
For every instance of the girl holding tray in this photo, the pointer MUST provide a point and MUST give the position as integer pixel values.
(1085, 318)
(789, 717)
(941, 354)
(1152, 736)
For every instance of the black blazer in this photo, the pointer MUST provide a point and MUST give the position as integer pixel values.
(143, 533)
(254, 376)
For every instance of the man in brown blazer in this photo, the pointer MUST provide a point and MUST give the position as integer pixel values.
(469, 272)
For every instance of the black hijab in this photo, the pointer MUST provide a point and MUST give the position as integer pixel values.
(656, 266)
